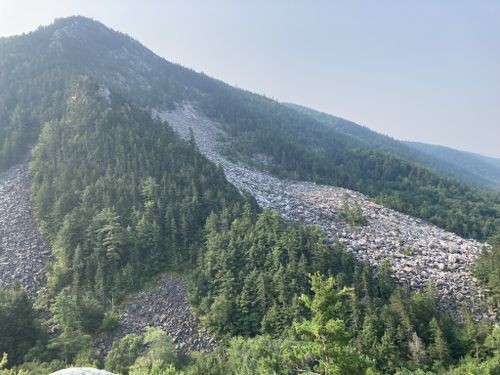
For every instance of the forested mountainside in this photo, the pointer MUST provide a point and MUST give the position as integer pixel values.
(418, 252)
(478, 164)
(122, 199)
(262, 131)
(119, 194)
(476, 169)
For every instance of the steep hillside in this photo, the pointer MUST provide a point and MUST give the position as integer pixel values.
(121, 198)
(125, 203)
(138, 200)
(23, 252)
(475, 169)
(484, 166)
(262, 132)
(417, 252)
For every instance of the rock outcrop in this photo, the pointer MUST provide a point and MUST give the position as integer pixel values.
(419, 253)
(23, 251)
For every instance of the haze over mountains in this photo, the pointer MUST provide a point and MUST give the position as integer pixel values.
(134, 66)
(476, 169)
(481, 166)
(138, 168)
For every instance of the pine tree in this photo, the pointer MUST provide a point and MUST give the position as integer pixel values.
(438, 348)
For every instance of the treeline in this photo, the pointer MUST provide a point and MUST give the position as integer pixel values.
(466, 167)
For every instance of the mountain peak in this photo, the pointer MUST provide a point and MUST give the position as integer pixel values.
(82, 28)
(76, 19)
(81, 24)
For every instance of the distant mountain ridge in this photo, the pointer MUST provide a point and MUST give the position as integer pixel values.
(472, 168)
(484, 166)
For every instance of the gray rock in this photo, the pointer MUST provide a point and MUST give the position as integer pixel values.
(23, 251)
(384, 238)
(166, 307)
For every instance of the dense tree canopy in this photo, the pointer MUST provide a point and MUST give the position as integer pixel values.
(19, 327)
(120, 195)
(488, 270)
(122, 198)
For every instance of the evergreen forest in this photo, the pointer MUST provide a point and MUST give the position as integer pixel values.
(123, 201)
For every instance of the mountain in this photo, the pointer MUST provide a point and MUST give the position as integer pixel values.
(475, 169)
(260, 131)
(144, 177)
(475, 164)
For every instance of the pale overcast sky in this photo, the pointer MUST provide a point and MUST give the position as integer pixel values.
(421, 70)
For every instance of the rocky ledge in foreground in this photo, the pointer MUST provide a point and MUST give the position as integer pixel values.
(166, 307)
(419, 253)
(23, 251)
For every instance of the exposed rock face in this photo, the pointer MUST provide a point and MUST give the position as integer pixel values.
(166, 307)
(418, 251)
(23, 251)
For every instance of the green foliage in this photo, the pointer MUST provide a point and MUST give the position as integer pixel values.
(438, 349)
(123, 354)
(259, 355)
(110, 321)
(28, 99)
(41, 368)
(160, 356)
(154, 369)
(353, 215)
(19, 328)
(299, 146)
(324, 342)
(72, 339)
(253, 270)
(122, 197)
(487, 365)
(476, 169)
(212, 364)
(160, 347)
(488, 270)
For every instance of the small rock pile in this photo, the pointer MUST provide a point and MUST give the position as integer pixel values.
(23, 251)
(419, 253)
(166, 307)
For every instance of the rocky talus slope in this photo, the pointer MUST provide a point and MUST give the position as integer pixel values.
(23, 251)
(24, 255)
(166, 307)
(419, 252)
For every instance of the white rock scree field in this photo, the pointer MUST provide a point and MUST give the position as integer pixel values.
(419, 253)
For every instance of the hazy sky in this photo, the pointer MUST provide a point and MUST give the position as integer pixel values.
(422, 70)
